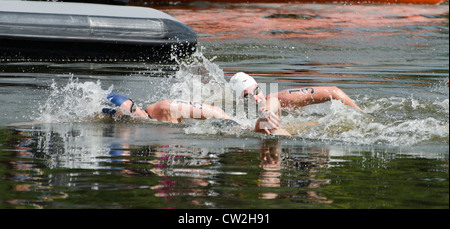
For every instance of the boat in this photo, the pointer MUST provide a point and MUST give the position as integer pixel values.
(85, 31)
(133, 2)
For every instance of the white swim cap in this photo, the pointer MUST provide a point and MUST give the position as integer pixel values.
(241, 81)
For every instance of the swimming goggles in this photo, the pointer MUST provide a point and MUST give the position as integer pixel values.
(255, 92)
(133, 107)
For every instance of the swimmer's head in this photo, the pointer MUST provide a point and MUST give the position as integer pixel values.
(240, 82)
(244, 86)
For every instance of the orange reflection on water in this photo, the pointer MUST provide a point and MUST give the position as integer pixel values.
(302, 20)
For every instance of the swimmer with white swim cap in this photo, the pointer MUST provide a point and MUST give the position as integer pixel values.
(245, 86)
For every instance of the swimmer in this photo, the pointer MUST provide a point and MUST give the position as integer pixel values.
(176, 110)
(170, 110)
(246, 87)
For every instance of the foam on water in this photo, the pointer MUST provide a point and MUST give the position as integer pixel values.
(390, 123)
(73, 102)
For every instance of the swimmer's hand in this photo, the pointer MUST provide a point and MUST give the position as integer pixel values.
(268, 122)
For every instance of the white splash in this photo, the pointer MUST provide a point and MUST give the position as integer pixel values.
(200, 80)
(72, 102)
(389, 124)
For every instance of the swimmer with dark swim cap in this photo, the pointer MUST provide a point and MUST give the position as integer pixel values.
(246, 87)
(170, 110)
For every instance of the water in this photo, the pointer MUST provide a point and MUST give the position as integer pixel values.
(58, 151)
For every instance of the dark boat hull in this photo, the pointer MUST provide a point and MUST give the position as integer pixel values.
(22, 50)
(46, 30)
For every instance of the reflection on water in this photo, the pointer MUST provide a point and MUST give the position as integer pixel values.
(52, 169)
(313, 21)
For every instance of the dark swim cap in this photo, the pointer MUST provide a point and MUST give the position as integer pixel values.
(117, 99)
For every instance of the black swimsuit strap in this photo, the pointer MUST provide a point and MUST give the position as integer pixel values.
(132, 108)
(150, 117)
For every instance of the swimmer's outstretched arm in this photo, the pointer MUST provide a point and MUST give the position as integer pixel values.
(300, 97)
(176, 110)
